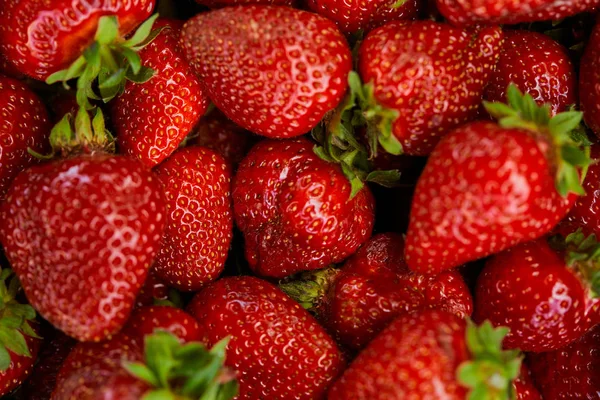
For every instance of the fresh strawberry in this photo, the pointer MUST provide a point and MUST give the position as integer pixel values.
(277, 348)
(153, 290)
(296, 210)
(273, 70)
(589, 82)
(537, 65)
(422, 79)
(199, 224)
(24, 124)
(8, 69)
(230, 3)
(373, 287)
(524, 386)
(144, 321)
(487, 187)
(154, 117)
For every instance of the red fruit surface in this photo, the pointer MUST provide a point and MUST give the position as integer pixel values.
(41, 37)
(484, 189)
(153, 289)
(8, 69)
(199, 226)
(524, 387)
(272, 70)
(431, 73)
(295, 209)
(231, 3)
(81, 234)
(277, 348)
(20, 366)
(589, 82)
(146, 320)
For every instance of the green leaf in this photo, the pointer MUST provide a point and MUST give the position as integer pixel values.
(387, 178)
(142, 372)
(500, 110)
(4, 359)
(143, 76)
(134, 60)
(575, 156)
(159, 355)
(390, 144)
(28, 330)
(565, 122)
(12, 321)
(24, 310)
(14, 341)
(161, 394)
(142, 33)
(398, 4)
(108, 29)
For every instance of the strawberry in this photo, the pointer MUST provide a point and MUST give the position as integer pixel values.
(273, 70)
(525, 388)
(154, 117)
(231, 3)
(24, 124)
(94, 218)
(487, 187)
(372, 288)
(199, 225)
(144, 321)
(297, 211)
(153, 290)
(278, 349)
(422, 79)
(537, 65)
(546, 297)
(431, 355)
(589, 82)
(8, 69)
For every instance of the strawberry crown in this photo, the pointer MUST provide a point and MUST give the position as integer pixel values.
(184, 371)
(571, 146)
(15, 320)
(491, 371)
(310, 288)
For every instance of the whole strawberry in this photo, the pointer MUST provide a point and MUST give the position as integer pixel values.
(273, 70)
(589, 82)
(278, 350)
(297, 212)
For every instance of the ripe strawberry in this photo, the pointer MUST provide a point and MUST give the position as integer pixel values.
(278, 349)
(273, 70)
(153, 118)
(487, 187)
(422, 79)
(374, 286)
(524, 386)
(153, 290)
(431, 355)
(199, 225)
(144, 321)
(537, 65)
(589, 82)
(23, 124)
(8, 69)
(231, 3)
(296, 210)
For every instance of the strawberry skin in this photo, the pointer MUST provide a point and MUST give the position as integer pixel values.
(152, 118)
(273, 70)
(402, 61)
(20, 367)
(295, 209)
(96, 219)
(144, 321)
(524, 386)
(41, 37)
(231, 3)
(153, 289)
(589, 82)
(277, 348)
(199, 224)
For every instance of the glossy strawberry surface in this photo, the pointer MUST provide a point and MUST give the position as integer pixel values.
(525, 388)
(20, 366)
(589, 82)
(153, 289)
(231, 3)
(146, 320)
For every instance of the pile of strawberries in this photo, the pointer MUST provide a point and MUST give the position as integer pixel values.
(281, 199)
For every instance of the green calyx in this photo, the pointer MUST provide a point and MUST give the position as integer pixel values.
(491, 371)
(582, 254)
(190, 371)
(310, 288)
(110, 60)
(15, 319)
(399, 3)
(571, 155)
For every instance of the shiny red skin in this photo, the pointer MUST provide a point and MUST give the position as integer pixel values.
(81, 234)
(277, 348)
(530, 290)
(524, 386)
(273, 70)
(231, 3)
(537, 65)
(23, 123)
(431, 73)
(275, 194)
(199, 228)
(41, 37)
(570, 372)
(484, 189)
(146, 320)
(153, 289)
(151, 119)
(20, 367)
(589, 82)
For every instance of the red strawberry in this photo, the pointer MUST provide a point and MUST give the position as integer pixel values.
(372, 288)
(230, 3)
(8, 69)
(23, 124)
(422, 79)
(273, 70)
(154, 117)
(537, 65)
(589, 82)
(144, 321)
(153, 289)
(278, 349)
(487, 187)
(296, 210)
(524, 386)
(199, 225)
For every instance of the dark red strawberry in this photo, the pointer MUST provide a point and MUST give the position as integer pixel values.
(277, 348)
(144, 321)
(153, 290)
(199, 226)
(488, 187)
(296, 210)
(63, 103)
(230, 3)
(273, 70)
(524, 386)
(8, 69)
(589, 82)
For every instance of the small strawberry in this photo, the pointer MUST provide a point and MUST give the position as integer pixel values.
(487, 187)
(297, 211)
(146, 320)
(589, 82)
(273, 70)
(277, 348)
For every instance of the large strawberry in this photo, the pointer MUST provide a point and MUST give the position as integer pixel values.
(199, 227)
(297, 211)
(277, 348)
(273, 70)
(487, 186)
(589, 82)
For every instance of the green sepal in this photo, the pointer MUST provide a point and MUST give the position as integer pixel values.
(399, 3)
(582, 254)
(309, 288)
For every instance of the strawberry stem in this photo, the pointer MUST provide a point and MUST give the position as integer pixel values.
(310, 287)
